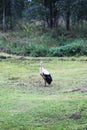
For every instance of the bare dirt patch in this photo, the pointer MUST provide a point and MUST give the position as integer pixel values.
(75, 116)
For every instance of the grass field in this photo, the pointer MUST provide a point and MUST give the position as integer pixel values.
(25, 104)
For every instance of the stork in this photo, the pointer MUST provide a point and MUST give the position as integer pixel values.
(45, 74)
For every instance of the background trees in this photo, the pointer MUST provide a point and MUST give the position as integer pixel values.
(40, 27)
(50, 11)
(10, 12)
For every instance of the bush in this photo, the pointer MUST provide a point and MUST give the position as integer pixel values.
(37, 50)
(76, 48)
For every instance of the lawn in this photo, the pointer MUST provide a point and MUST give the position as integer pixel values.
(25, 104)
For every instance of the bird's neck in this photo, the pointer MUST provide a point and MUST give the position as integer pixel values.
(41, 67)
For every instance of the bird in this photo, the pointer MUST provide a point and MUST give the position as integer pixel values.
(45, 74)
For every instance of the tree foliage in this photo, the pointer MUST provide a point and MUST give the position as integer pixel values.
(50, 11)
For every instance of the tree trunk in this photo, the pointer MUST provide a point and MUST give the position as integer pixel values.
(12, 14)
(51, 15)
(4, 18)
(68, 20)
(68, 16)
(46, 21)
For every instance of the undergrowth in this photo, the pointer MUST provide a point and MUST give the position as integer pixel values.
(32, 41)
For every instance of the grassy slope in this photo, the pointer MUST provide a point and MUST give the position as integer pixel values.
(25, 104)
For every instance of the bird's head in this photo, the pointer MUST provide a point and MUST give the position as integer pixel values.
(41, 63)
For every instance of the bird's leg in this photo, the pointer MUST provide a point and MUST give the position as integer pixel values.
(45, 83)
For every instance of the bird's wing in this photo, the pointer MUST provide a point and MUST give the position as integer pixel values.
(45, 72)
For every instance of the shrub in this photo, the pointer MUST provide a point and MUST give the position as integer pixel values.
(76, 48)
(37, 50)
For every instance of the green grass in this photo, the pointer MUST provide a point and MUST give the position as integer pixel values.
(25, 104)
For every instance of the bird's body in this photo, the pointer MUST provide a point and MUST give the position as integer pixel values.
(45, 74)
